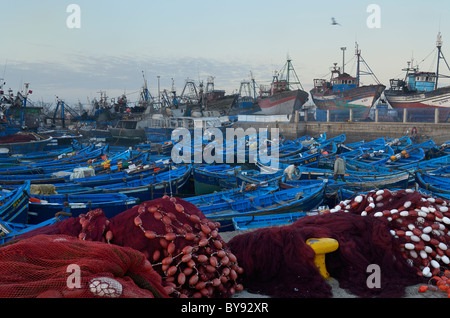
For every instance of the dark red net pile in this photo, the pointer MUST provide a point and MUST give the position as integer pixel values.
(182, 245)
(17, 138)
(279, 263)
(404, 232)
(58, 266)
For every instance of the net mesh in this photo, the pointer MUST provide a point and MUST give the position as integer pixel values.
(182, 245)
(59, 266)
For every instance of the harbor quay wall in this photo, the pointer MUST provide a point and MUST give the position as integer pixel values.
(356, 131)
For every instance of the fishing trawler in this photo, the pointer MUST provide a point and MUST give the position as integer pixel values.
(17, 112)
(195, 100)
(279, 98)
(344, 91)
(420, 89)
(246, 102)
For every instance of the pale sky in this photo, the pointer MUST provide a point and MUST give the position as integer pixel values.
(199, 38)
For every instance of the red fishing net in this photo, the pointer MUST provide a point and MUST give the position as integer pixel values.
(182, 245)
(403, 232)
(384, 228)
(58, 266)
(17, 138)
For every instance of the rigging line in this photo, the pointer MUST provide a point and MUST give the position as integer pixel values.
(443, 57)
(371, 72)
(434, 50)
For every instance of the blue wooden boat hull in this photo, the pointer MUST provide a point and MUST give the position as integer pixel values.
(171, 182)
(433, 183)
(230, 195)
(207, 179)
(26, 147)
(260, 221)
(10, 230)
(78, 204)
(14, 207)
(290, 200)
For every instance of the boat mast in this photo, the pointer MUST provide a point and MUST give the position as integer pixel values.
(288, 67)
(440, 56)
(439, 47)
(364, 72)
(343, 59)
(254, 86)
(358, 54)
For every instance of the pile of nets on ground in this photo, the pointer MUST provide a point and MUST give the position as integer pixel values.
(58, 266)
(20, 137)
(403, 232)
(168, 248)
(168, 236)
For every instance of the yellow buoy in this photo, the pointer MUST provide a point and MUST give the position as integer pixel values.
(322, 246)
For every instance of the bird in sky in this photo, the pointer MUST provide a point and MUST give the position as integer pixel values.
(333, 22)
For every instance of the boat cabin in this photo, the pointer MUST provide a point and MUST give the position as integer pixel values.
(126, 124)
(343, 83)
(422, 81)
(415, 82)
(339, 82)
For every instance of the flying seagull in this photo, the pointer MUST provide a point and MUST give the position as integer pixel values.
(333, 22)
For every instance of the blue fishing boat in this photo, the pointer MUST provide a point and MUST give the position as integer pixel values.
(399, 144)
(433, 183)
(427, 165)
(6, 180)
(255, 222)
(149, 188)
(369, 144)
(425, 145)
(289, 200)
(207, 178)
(445, 196)
(121, 176)
(10, 230)
(374, 156)
(44, 207)
(226, 196)
(258, 177)
(406, 157)
(440, 172)
(25, 146)
(390, 181)
(14, 204)
(309, 158)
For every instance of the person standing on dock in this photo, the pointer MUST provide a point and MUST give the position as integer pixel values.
(414, 135)
(339, 168)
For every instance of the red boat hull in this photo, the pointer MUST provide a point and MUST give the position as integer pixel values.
(284, 103)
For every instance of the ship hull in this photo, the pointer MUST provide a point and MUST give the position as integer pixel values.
(128, 134)
(439, 98)
(356, 98)
(284, 103)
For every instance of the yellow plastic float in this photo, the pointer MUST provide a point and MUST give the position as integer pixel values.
(322, 246)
